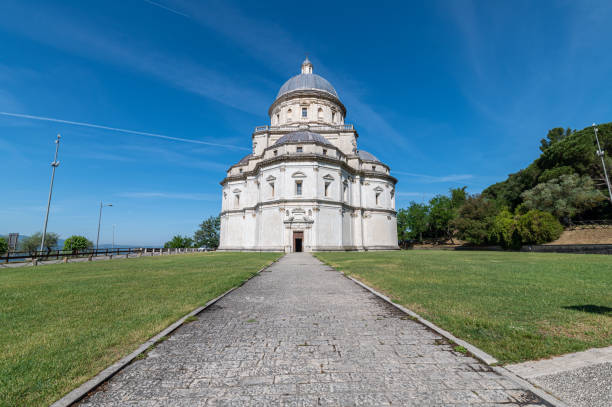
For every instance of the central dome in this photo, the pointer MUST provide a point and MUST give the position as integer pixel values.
(307, 81)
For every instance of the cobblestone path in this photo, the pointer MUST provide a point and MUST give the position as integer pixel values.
(301, 334)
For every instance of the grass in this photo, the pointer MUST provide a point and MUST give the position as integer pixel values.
(62, 324)
(514, 306)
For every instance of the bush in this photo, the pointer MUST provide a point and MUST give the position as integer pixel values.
(504, 230)
(537, 227)
(3, 245)
(179, 242)
(77, 242)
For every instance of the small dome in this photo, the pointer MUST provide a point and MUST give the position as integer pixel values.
(302, 136)
(365, 156)
(306, 81)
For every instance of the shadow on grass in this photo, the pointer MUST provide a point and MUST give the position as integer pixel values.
(593, 309)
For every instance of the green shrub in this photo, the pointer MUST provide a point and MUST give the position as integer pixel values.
(3, 245)
(504, 230)
(537, 227)
(77, 242)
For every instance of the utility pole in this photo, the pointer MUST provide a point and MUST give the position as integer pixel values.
(54, 165)
(99, 222)
(600, 153)
(114, 236)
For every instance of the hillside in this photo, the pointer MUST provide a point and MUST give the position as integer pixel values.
(563, 152)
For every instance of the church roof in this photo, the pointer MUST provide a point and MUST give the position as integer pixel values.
(245, 159)
(306, 81)
(301, 136)
(365, 156)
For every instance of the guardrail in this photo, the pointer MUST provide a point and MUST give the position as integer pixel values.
(314, 127)
(36, 256)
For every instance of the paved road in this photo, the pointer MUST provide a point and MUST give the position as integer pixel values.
(301, 334)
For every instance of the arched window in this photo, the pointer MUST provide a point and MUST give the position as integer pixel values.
(333, 117)
(289, 112)
(320, 114)
(377, 198)
(237, 200)
(272, 189)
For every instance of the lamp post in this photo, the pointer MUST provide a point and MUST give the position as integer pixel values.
(114, 226)
(600, 153)
(99, 222)
(54, 165)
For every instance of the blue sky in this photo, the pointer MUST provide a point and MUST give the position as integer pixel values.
(448, 93)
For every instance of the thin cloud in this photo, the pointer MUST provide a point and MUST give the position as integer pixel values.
(170, 195)
(139, 133)
(166, 8)
(431, 178)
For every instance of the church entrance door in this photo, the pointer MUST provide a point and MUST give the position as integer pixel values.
(298, 241)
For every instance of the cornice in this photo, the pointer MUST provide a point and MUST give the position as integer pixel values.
(311, 201)
(301, 93)
(308, 157)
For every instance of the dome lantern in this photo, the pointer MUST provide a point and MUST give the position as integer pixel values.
(306, 66)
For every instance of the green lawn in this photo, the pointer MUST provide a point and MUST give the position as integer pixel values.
(515, 306)
(62, 324)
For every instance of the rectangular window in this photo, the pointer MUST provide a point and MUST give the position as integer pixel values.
(373, 168)
(275, 153)
(345, 192)
(378, 198)
(237, 200)
(324, 152)
(327, 188)
(298, 187)
(304, 112)
(299, 149)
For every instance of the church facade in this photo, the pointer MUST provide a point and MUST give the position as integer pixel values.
(306, 186)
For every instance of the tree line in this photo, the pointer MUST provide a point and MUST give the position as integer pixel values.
(206, 236)
(564, 184)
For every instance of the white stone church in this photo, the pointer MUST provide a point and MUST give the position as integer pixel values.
(306, 186)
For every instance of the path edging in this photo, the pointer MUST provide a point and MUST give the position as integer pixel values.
(476, 352)
(81, 391)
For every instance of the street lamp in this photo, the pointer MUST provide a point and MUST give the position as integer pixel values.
(100, 221)
(54, 165)
(600, 153)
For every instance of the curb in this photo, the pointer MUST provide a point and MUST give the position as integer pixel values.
(81, 391)
(475, 352)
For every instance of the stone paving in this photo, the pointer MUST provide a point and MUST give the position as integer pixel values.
(301, 334)
(582, 379)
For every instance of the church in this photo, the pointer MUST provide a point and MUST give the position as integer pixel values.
(307, 186)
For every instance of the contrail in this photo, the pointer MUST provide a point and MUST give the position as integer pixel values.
(166, 8)
(140, 133)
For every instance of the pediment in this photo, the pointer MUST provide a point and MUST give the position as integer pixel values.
(271, 178)
(236, 191)
(298, 174)
(378, 189)
(328, 177)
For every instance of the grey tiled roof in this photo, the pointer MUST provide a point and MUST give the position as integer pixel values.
(365, 156)
(302, 136)
(307, 81)
(245, 159)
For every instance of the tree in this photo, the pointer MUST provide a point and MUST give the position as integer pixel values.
(32, 243)
(179, 242)
(415, 221)
(554, 136)
(208, 234)
(475, 219)
(77, 242)
(3, 245)
(565, 197)
(441, 213)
